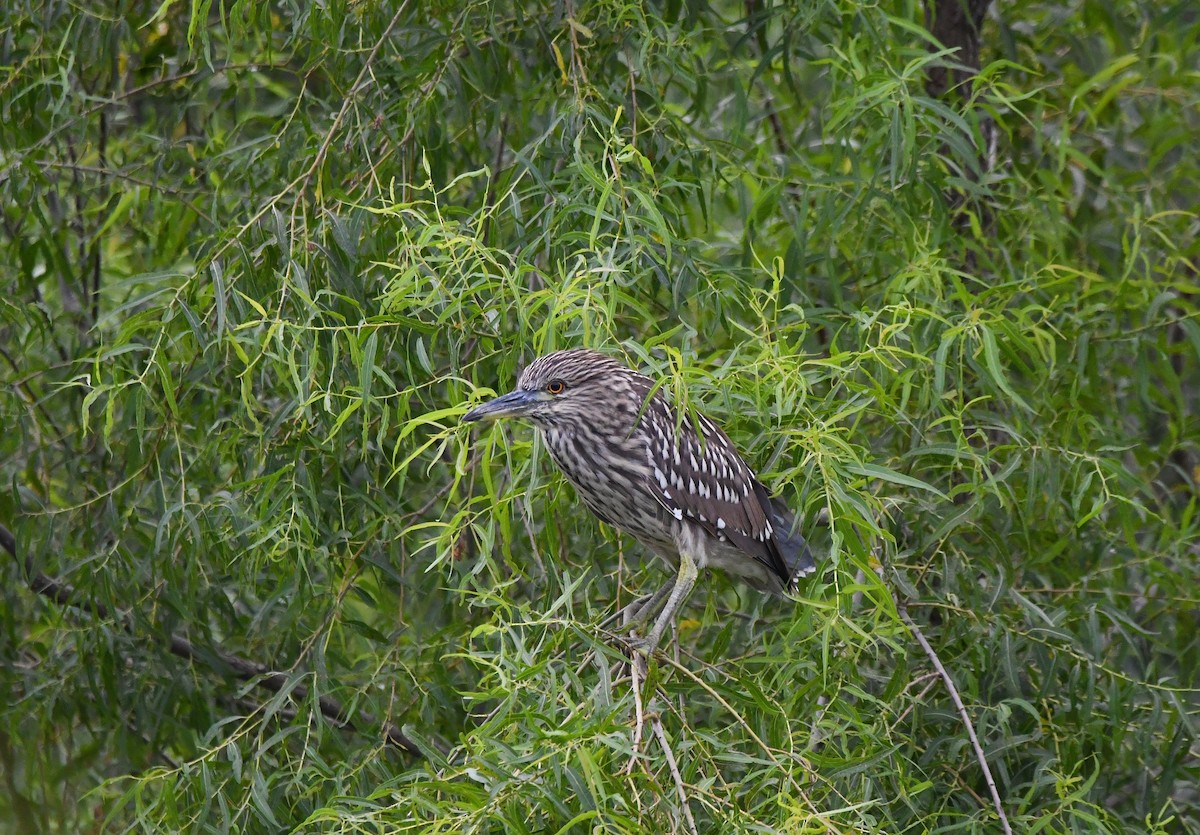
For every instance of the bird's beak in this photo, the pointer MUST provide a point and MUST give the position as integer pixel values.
(513, 404)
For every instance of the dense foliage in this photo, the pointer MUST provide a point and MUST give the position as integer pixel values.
(258, 259)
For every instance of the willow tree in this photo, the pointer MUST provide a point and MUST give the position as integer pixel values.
(934, 269)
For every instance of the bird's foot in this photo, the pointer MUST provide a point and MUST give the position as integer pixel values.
(637, 643)
(640, 645)
(626, 629)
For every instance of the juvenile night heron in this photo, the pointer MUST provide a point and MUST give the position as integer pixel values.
(686, 495)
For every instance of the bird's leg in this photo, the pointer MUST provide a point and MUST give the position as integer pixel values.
(679, 593)
(642, 609)
(635, 611)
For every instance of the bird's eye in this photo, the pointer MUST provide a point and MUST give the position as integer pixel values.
(556, 386)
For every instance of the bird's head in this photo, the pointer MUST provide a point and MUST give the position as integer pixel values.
(562, 388)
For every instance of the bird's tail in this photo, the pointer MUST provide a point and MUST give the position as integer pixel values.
(792, 547)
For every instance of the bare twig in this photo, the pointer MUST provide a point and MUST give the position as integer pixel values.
(962, 711)
(671, 764)
(64, 595)
(636, 679)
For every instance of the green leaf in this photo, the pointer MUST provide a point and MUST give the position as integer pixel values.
(884, 474)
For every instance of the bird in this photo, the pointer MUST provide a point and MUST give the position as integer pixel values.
(678, 486)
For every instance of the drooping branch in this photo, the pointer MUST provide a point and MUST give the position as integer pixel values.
(64, 595)
(932, 655)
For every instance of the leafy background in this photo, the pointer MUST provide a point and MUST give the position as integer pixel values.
(259, 258)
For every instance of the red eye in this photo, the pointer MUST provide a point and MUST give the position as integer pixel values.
(556, 387)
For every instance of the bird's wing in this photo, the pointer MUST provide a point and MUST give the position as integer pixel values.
(701, 477)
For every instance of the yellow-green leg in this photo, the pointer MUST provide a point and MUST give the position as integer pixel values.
(684, 582)
(644, 608)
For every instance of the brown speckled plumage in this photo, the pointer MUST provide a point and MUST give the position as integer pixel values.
(680, 489)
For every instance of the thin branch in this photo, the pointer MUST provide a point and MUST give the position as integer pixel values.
(118, 174)
(766, 749)
(323, 150)
(636, 679)
(674, 767)
(64, 595)
(962, 711)
(98, 243)
(26, 393)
